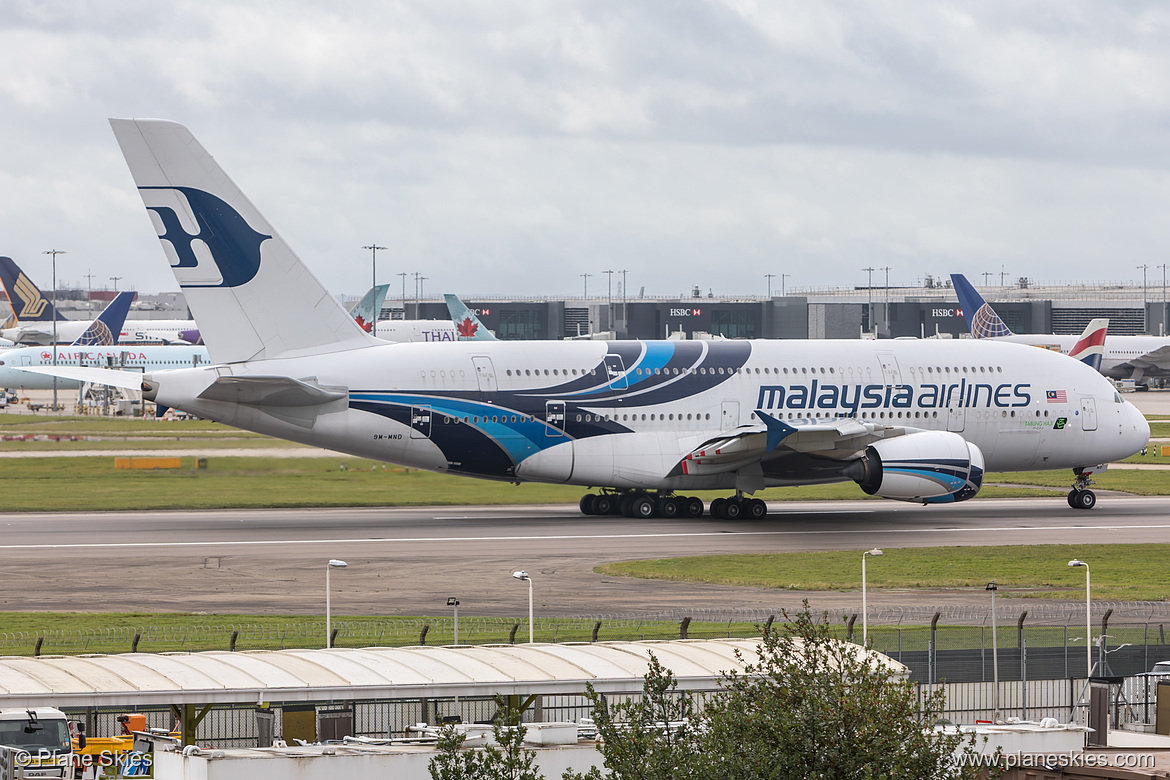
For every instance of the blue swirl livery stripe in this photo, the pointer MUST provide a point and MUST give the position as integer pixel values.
(518, 439)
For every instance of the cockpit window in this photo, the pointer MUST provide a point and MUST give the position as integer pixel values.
(1117, 398)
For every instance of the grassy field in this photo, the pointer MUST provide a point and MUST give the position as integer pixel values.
(1121, 572)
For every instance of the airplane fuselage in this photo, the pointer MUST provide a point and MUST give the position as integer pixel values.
(131, 358)
(623, 414)
(1124, 356)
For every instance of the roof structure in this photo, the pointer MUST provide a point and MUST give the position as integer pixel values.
(341, 674)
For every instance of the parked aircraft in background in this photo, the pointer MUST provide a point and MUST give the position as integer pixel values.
(644, 421)
(1124, 357)
(463, 326)
(31, 321)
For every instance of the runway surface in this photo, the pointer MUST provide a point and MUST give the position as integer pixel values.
(408, 561)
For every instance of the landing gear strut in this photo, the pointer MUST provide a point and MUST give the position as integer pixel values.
(1080, 497)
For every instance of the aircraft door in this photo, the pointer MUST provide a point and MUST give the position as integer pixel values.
(554, 415)
(485, 374)
(1088, 414)
(891, 374)
(729, 417)
(420, 422)
(956, 417)
(615, 371)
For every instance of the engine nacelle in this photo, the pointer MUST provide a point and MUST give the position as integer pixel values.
(934, 467)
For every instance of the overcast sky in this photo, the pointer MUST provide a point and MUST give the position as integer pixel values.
(509, 146)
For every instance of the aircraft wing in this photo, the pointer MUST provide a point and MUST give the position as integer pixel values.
(1158, 358)
(271, 391)
(131, 380)
(839, 439)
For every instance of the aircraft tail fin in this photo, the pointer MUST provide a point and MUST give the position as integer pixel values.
(28, 303)
(104, 331)
(981, 318)
(369, 308)
(466, 323)
(250, 293)
(1090, 347)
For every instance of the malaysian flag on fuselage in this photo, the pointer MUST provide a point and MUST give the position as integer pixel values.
(1056, 396)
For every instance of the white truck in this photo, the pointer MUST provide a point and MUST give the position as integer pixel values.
(38, 742)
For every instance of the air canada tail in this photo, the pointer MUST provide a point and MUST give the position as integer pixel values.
(369, 308)
(103, 331)
(250, 293)
(466, 323)
(1090, 347)
(28, 303)
(981, 318)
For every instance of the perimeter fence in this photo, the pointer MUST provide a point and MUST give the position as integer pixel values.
(946, 644)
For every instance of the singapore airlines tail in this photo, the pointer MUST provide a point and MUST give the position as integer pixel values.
(981, 318)
(28, 303)
(466, 323)
(250, 293)
(369, 308)
(1090, 347)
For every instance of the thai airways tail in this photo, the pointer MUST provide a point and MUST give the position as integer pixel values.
(1090, 347)
(103, 331)
(28, 303)
(369, 308)
(466, 323)
(250, 293)
(981, 318)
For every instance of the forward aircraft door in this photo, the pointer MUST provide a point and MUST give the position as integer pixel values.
(615, 371)
(956, 416)
(420, 422)
(729, 418)
(891, 374)
(554, 415)
(1088, 414)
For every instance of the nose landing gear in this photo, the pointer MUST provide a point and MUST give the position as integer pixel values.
(1080, 497)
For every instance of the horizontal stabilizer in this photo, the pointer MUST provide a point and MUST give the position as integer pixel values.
(131, 380)
(270, 391)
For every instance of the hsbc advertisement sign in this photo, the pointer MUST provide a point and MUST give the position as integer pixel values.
(686, 312)
(944, 313)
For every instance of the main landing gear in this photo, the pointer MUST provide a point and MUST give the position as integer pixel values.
(637, 503)
(1080, 497)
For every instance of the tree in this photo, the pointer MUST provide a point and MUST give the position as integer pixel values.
(810, 706)
(506, 760)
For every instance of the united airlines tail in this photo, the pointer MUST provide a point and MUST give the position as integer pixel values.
(1090, 347)
(369, 308)
(466, 323)
(250, 293)
(103, 332)
(28, 303)
(981, 318)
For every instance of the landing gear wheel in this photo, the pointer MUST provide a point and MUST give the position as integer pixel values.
(1086, 499)
(603, 504)
(587, 503)
(757, 509)
(626, 506)
(717, 508)
(1072, 498)
(670, 507)
(732, 509)
(694, 507)
(642, 507)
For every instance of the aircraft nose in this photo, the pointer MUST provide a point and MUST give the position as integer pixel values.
(1137, 434)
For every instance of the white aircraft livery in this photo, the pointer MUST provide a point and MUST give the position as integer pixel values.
(643, 421)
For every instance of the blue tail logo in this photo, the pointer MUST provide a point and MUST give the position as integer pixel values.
(234, 245)
(104, 331)
(981, 318)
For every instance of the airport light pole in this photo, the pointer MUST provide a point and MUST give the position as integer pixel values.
(994, 655)
(454, 602)
(769, 277)
(986, 276)
(523, 576)
(869, 287)
(113, 279)
(609, 295)
(782, 288)
(864, 604)
(54, 253)
(1145, 318)
(625, 297)
(373, 264)
(585, 291)
(333, 564)
(1088, 619)
(1162, 327)
(886, 307)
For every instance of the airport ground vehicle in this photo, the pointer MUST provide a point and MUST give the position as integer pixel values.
(44, 735)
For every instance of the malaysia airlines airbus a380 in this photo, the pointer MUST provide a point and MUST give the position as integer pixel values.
(644, 421)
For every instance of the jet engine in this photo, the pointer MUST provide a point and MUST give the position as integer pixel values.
(934, 467)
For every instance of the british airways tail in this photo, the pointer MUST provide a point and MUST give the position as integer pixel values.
(369, 308)
(103, 331)
(466, 323)
(1090, 347)
(250, 293)
(981, 318)
(28, 303)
